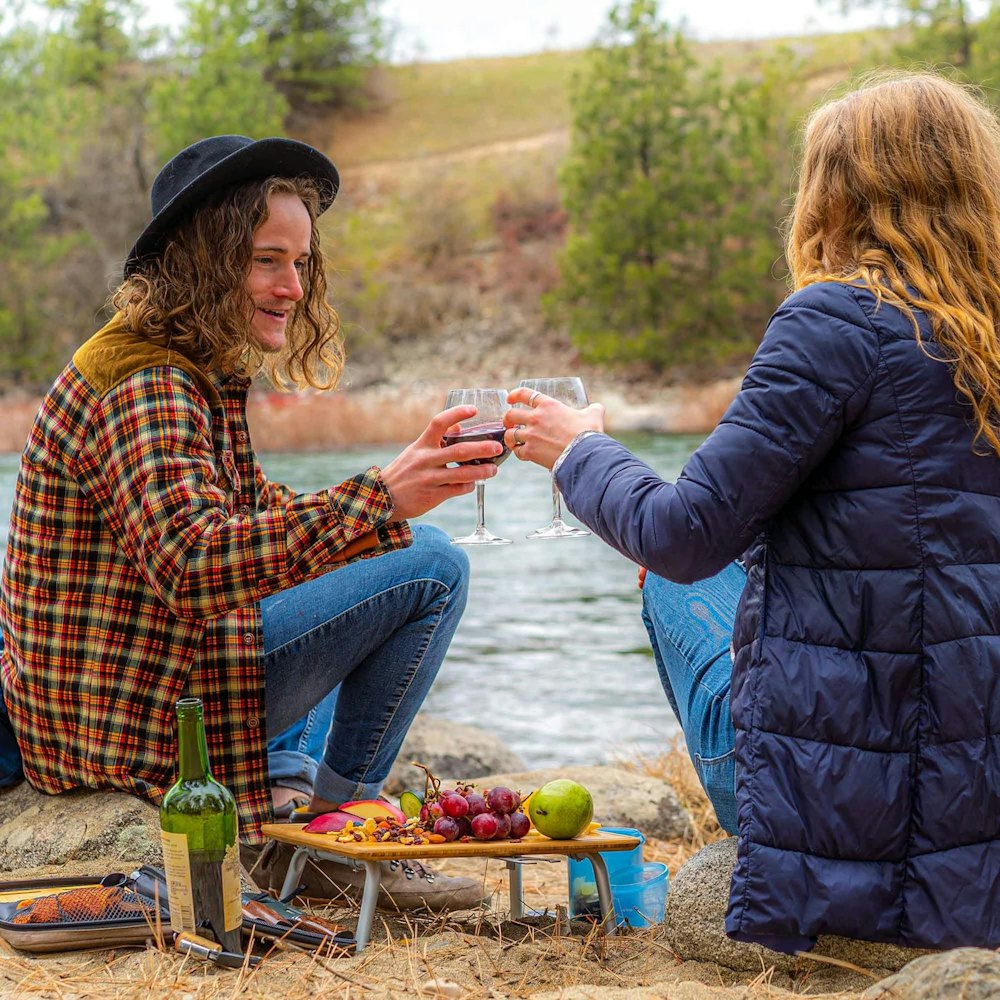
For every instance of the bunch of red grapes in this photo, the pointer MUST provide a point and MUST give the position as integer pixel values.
(464, 814)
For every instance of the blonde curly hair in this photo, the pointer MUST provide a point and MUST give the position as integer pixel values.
(192, 298)
(900, 190)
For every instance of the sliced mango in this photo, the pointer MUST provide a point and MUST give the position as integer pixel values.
(369, 808)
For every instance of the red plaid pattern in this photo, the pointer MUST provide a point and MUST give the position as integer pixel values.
(143, 536)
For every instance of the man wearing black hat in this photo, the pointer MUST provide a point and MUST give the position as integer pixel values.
(149, 557)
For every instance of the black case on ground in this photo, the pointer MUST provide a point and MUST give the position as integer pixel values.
(144, 917)
(68, 931)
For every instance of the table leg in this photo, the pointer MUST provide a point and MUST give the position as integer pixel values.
(294, 873)
(604, 892)
(516, 877)
(373, 880)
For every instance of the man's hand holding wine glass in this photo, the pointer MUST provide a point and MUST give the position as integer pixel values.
(420, 477)
(540, 433)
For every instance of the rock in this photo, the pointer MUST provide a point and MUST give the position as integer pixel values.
(443, 988)
(969, 973)
(447, 748)
(695, 928)
(105, 827)
(621, 798)
(677, 990)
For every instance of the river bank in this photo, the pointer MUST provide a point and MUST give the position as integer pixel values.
(389, 414)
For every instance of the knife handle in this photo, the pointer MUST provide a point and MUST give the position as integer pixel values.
(211, 951)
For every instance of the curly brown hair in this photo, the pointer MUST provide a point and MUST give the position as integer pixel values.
(900, 190)
(192, 298)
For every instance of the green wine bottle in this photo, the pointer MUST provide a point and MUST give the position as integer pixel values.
(198, 832)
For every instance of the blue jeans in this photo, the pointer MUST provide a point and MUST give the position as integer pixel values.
(349, 659)
(691, 630)
(10, 756)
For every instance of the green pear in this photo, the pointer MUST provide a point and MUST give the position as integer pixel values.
(561, 809)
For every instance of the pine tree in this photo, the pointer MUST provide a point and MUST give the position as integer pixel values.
(673, 186)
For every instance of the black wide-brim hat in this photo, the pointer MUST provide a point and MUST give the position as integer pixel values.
(219, 162)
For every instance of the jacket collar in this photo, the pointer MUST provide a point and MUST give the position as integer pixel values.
(113, 354)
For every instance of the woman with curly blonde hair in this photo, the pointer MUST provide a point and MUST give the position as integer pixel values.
(150, 558)
(823, 586)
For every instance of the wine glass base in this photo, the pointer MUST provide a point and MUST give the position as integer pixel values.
(559, 529)
(481, 538)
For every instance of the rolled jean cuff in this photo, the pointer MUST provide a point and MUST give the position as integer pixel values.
(332, 787)
(291, 769)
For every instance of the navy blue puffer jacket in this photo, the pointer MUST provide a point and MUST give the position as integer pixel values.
(866, 682)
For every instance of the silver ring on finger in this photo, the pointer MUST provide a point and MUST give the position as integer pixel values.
(531, 399)
(517, 444)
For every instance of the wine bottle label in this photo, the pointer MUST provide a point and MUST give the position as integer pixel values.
(180, 896)
(231, 896)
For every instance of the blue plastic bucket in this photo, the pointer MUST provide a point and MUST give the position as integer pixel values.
(583, 900)
(640, 894)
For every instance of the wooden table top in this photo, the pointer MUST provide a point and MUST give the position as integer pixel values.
(534, 843)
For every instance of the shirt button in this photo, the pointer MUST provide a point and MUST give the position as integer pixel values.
(242, 437)
(253, 722)
(244, 510)
(249, 639)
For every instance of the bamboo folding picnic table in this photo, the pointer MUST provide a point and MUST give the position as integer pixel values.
(325, 847)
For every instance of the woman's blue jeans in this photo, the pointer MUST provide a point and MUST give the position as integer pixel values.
(349, 659)
(691, 629)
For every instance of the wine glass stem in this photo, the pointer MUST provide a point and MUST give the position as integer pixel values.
(556, 501)
(481, 507)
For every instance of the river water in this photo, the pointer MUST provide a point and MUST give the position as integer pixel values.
(551, 654)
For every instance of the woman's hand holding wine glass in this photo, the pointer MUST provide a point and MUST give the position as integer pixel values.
(423, 475)
(540, 433)
(565, 390)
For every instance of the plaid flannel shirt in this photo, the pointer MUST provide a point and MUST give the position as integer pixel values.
(143, 536)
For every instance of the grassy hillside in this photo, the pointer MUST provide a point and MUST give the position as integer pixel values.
(446, 232)
(425, 109)
(433, 108)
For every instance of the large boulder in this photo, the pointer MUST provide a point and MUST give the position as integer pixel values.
(621, 798)
(104, 827)
(695, 927)
(447, 748)
(969, 973)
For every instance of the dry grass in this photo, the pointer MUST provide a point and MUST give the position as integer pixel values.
(462, 955)
(493, 960)
(675, 768)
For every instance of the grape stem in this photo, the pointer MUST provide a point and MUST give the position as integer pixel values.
(432, 785)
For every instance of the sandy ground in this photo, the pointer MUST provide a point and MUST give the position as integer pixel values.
(459, 955)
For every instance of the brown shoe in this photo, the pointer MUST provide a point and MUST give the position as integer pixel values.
(406, 885)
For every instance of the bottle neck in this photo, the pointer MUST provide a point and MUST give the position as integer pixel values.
(192, 748)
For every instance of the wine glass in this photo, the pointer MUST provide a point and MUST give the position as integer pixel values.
(568, 390)
(485, 425)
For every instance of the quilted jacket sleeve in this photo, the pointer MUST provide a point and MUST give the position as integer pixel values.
(149, 467)
(814, 366)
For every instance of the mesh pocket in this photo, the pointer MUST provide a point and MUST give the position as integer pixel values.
(86, 904)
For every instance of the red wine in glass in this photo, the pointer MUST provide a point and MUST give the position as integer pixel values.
(485, 425)
(482, 432)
